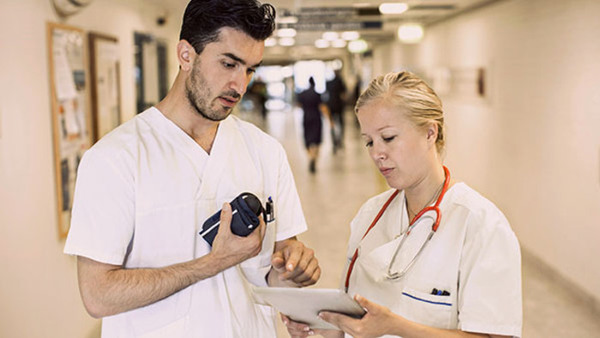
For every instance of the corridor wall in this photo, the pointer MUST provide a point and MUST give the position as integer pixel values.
(38, 287)
(531, 143)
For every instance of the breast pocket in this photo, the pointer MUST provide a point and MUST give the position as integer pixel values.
(427, 309)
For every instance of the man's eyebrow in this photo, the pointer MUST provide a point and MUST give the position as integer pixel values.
(240, 60)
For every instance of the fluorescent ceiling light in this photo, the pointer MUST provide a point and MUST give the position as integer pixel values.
(331, 36)
(287, 41)
(410, 33)
(287, 19)
(358, 46)
(270, 42)
(321, 43)
(350, 35)
(286, 33)
(393, 8)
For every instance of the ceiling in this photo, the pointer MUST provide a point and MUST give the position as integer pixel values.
(317, 16)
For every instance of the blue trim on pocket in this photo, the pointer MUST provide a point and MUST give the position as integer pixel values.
(425, 300)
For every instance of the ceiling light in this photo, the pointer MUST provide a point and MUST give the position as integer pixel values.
(393, 8)
(350, 35)
(270, 42)
(286, 33)
(331, 36)
(321, 43)
(287, 19)
(410, 33)
(358, 46)
(287, 41)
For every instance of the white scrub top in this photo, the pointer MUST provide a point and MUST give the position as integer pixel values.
(142, 194)
(474, 256)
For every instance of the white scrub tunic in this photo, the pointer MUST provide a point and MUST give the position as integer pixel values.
(142, 194)
(474, 256)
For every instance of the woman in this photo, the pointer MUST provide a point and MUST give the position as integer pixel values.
(312, 105)
(455, 270)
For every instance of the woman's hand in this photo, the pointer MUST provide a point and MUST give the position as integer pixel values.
(378, 320)
(299, 330)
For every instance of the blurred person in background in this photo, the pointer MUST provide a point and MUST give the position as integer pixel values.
(430, 257)
(336, 92)
(258, 89)
(313, 107)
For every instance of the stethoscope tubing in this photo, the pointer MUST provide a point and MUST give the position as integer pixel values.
(413, 223)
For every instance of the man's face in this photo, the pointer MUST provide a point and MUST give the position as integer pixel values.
(221, 73)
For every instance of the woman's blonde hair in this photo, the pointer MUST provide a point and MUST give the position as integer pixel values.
(411, 95)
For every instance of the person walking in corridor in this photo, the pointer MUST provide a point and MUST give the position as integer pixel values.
(313, 108)
(336, 93)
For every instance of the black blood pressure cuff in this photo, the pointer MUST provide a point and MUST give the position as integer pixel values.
(245, 209)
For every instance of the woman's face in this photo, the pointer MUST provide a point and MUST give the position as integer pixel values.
(401, 151)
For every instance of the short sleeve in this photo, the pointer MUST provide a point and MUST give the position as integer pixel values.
(102, 220)
(288, 210)
(490, 298)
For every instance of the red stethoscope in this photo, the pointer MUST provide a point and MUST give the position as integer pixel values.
(390, 275)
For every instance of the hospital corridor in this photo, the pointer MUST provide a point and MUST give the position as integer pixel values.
(122, 133)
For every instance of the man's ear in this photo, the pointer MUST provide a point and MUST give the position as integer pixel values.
(185, 55)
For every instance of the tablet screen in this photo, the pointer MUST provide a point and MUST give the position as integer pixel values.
(304, 305)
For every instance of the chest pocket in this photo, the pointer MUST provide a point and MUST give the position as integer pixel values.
(427, 309)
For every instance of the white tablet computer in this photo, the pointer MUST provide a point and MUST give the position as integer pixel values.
(304, 305)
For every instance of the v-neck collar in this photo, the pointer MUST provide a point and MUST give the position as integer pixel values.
(172, 132)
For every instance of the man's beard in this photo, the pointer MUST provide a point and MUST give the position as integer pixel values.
(198, 83)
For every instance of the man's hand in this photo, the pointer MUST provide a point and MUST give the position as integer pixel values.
(293, 265)
(230, 249)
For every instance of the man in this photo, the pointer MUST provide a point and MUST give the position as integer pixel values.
(144, 191)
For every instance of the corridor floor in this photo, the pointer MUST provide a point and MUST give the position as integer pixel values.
(344, 181)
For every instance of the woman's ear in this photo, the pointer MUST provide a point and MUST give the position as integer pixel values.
(432, 133)
(185, 55)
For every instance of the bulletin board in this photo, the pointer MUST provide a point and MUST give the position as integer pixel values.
(104, 84)
(71, 120)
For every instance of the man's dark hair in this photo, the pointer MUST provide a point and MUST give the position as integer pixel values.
(203, 19)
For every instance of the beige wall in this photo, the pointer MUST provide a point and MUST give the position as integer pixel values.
(533, 145)
(38, 287)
